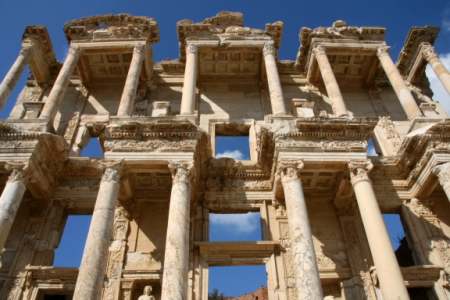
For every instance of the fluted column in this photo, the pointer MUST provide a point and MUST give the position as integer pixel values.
(443, 174)
(10, 200)
(131, 84)
(190, 81)
(387, 267)
(398, 84)
(436, 64)
(307, 277)
(331, 85)
(273, 80)
(95, 255)
(176, 256)
(61, 83)
(13, 75)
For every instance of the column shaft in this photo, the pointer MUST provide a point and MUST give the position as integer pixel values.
(307, 277)
(95, 255)
(126, 105)
(436, 64)
(331, 85)
(387, 268)
(176, 256)
(401, 90)
(273, 80)
(190, 81)
(13, 75)
(60, 85)
(10, 201)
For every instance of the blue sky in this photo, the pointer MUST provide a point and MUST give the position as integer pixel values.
(398, 16)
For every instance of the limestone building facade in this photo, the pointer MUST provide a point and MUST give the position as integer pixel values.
(320, 192)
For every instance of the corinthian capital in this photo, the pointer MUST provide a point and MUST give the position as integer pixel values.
(289, 169)
(18, 171)
(383, 50)
(191, 48)
(428, 52)
(112, 170)
(269, 49)
(139, 49)
(319, 50)
(359, 170)
(442, 172)
(181, 171)
(74, 50)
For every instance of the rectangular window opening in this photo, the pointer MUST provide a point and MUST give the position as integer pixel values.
(92, 148)
(397, 235)
(235, 227)
(246, 282)
(421, 293)
(57, 296)
(71, 246)
(372, 147)
(232, 141)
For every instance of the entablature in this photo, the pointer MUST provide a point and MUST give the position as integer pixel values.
(410, 63)
(226, 28)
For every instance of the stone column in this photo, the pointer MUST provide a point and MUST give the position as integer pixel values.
(176, 256)
(438, 67)
(126, 105)
(190, 81)
(330, 82)
(90, 279)
(307, 278)
(387, 268)
(61, 83)
(13, 75)
(398, 84)
(443, 174)
(273, 80)
(10, 201)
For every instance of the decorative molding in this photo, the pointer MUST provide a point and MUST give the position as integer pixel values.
(182, 171)
(359, 170)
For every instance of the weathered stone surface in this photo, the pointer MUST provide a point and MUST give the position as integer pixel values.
(308, 122)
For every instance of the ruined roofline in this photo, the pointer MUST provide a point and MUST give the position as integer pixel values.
(416, 36)
(112, 27)
(223, 27)
(339, 30)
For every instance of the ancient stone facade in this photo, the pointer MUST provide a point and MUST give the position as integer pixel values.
(320, 194)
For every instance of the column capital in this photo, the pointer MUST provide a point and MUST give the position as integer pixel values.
(112, 170)
(383, 50)
(428, 51)
(191, 48)
(442, 171)
(139, 49)
(359, 170)
(319, 50)
(26, 48)
(181, 171)
(269, 49)
(289, 169)
(18, 171)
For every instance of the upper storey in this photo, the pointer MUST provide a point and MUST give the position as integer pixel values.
(226, 72)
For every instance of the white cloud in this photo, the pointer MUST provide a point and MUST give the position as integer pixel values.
(240, 223)
(236, 154)
(439, 92)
